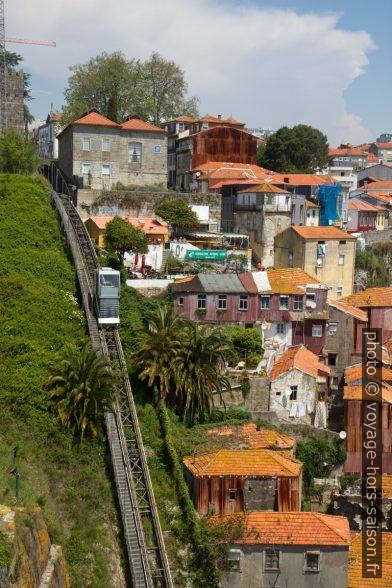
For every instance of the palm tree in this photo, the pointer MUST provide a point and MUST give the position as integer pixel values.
(198, 370)
(80, 386)
(158, 345)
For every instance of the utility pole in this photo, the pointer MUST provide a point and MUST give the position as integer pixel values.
(3, 69)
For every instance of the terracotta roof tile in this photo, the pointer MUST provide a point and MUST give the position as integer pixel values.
(96, 119)
(370, 298)
(246, 462)
(150, 225)
(355, 579)
(349, 309)
(347, 151)
(254, 436)
(384, 145)
(303, 179)
(321, 233)
(298, 358)
(310, 204)
(291, 280)
(265, 188)
(181, 118)
(356, 393)
(136, 124)
(378, 185)
(357, 204)
(293, 528)
(216, 119)
(353, 373)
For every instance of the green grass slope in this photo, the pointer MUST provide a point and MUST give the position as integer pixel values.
(39, 314)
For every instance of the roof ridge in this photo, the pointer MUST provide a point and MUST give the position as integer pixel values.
(276, 454)
(327, 523)
(214, 458)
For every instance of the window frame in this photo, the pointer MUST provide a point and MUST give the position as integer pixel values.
(341, 259)
(180, 301)
(266, 554)
(202, 302)
(280, 329)
(232, 491)
(294, 392)
(243, 302)
(335, 359)
(90, 142)
(222, 298)
(89, 171)
(333, 334)
(298, 302)
(319, 329)
(286, 299)
(139, 156)
(106, 165)
(109, 142)
(265, 299)
(307, 568)
(236, 567)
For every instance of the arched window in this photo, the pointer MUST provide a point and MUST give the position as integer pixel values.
(134, 152)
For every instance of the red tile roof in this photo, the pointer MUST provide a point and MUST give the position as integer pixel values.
(215, 119)
(370, 298)
(303, 179)
(378, 185)
(349, 309)
(384, 145)
(353, 373)
(321, 233)
(247, 462)
(254, 436)
(95, 119)
(288, 280)
(150, 225)
(298, 358)
(357, 204)
(347, 151)
(265, 188)
(136, 124)
(292, 528)
(355, 576)
(182, 118)
(356, 393)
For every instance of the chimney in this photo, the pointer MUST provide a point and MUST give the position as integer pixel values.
(219, 116)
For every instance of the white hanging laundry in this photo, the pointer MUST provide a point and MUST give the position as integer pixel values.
(301, 409)
(309, 407)
(293, 409)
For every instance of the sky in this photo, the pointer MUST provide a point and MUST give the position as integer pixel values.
(267, 63)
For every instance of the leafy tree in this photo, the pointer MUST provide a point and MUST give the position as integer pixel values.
(165, 90)
(17, 155)
(80, 387)
(108, 82)
(245, 341)
(12, 60)
(117, 86)
(177, 212)
(318, 456)
(260, 153)
(121, 237)
(301, 149)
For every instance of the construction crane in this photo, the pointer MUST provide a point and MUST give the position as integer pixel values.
(3, 68)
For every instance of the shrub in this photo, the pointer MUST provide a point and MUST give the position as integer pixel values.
(17, 155)
(253, 360)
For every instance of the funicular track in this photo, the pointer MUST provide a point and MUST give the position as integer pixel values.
(146, 551)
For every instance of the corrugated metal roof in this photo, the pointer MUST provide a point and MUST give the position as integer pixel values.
(229, 283)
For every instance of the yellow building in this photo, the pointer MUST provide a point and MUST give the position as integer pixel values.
(327, 253)
(156, 229)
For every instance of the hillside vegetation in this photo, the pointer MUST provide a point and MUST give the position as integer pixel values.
(40, 314)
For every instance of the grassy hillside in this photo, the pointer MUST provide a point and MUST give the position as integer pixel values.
(39, 314)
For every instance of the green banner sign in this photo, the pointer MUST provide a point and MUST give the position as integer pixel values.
(216, 254)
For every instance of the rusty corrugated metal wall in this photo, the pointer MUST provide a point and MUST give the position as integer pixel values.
(224, 144)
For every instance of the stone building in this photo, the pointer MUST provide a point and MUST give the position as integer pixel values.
(262, 211)
(48, 146)
(327, 253)
(96, 152)
(290, 550)
(14, 106)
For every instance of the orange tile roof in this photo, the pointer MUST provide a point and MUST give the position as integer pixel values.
(387, 486)
(353, 373)
(350, 309)
(215, 119)
(298, 358)
(321, 233)
(183, 280)
(383, 196)
(303, 179)
(150, 225)
(310, 204)
(384, 145)
(211, 166)
(292, 528)
(378, 185)
(356, 393)
(245, 462)
(255, 437)
(357, 204)
(370, 297)
(347, 151)
(96, 119)
(182, 118)
(288, 280)
(355, 579)
(265, 188)
(136, 124)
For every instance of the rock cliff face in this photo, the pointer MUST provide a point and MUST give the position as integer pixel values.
(27, 557)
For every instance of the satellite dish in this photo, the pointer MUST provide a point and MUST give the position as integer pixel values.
(342, 434)
(197, 174)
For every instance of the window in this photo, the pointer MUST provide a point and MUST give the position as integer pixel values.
(86, 144)
(86, 169)
(332, 359)
(280, 328)
(290, 259)
(222, 302)
(312, 561)
(235, 559)
(283, 302)
(339, 290)
(342, 242)
(106, 169)
(265, 302)
(134, 152)
(317, 331)
(341, 259)
(202, 301)
(301, 211)
(232, 495)
(271, 559)
(243, 304)
(293, 393)
(311, 298)
(332, 329)
(105, 144)
(157, 148)
(298, 302)
(181, 301)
